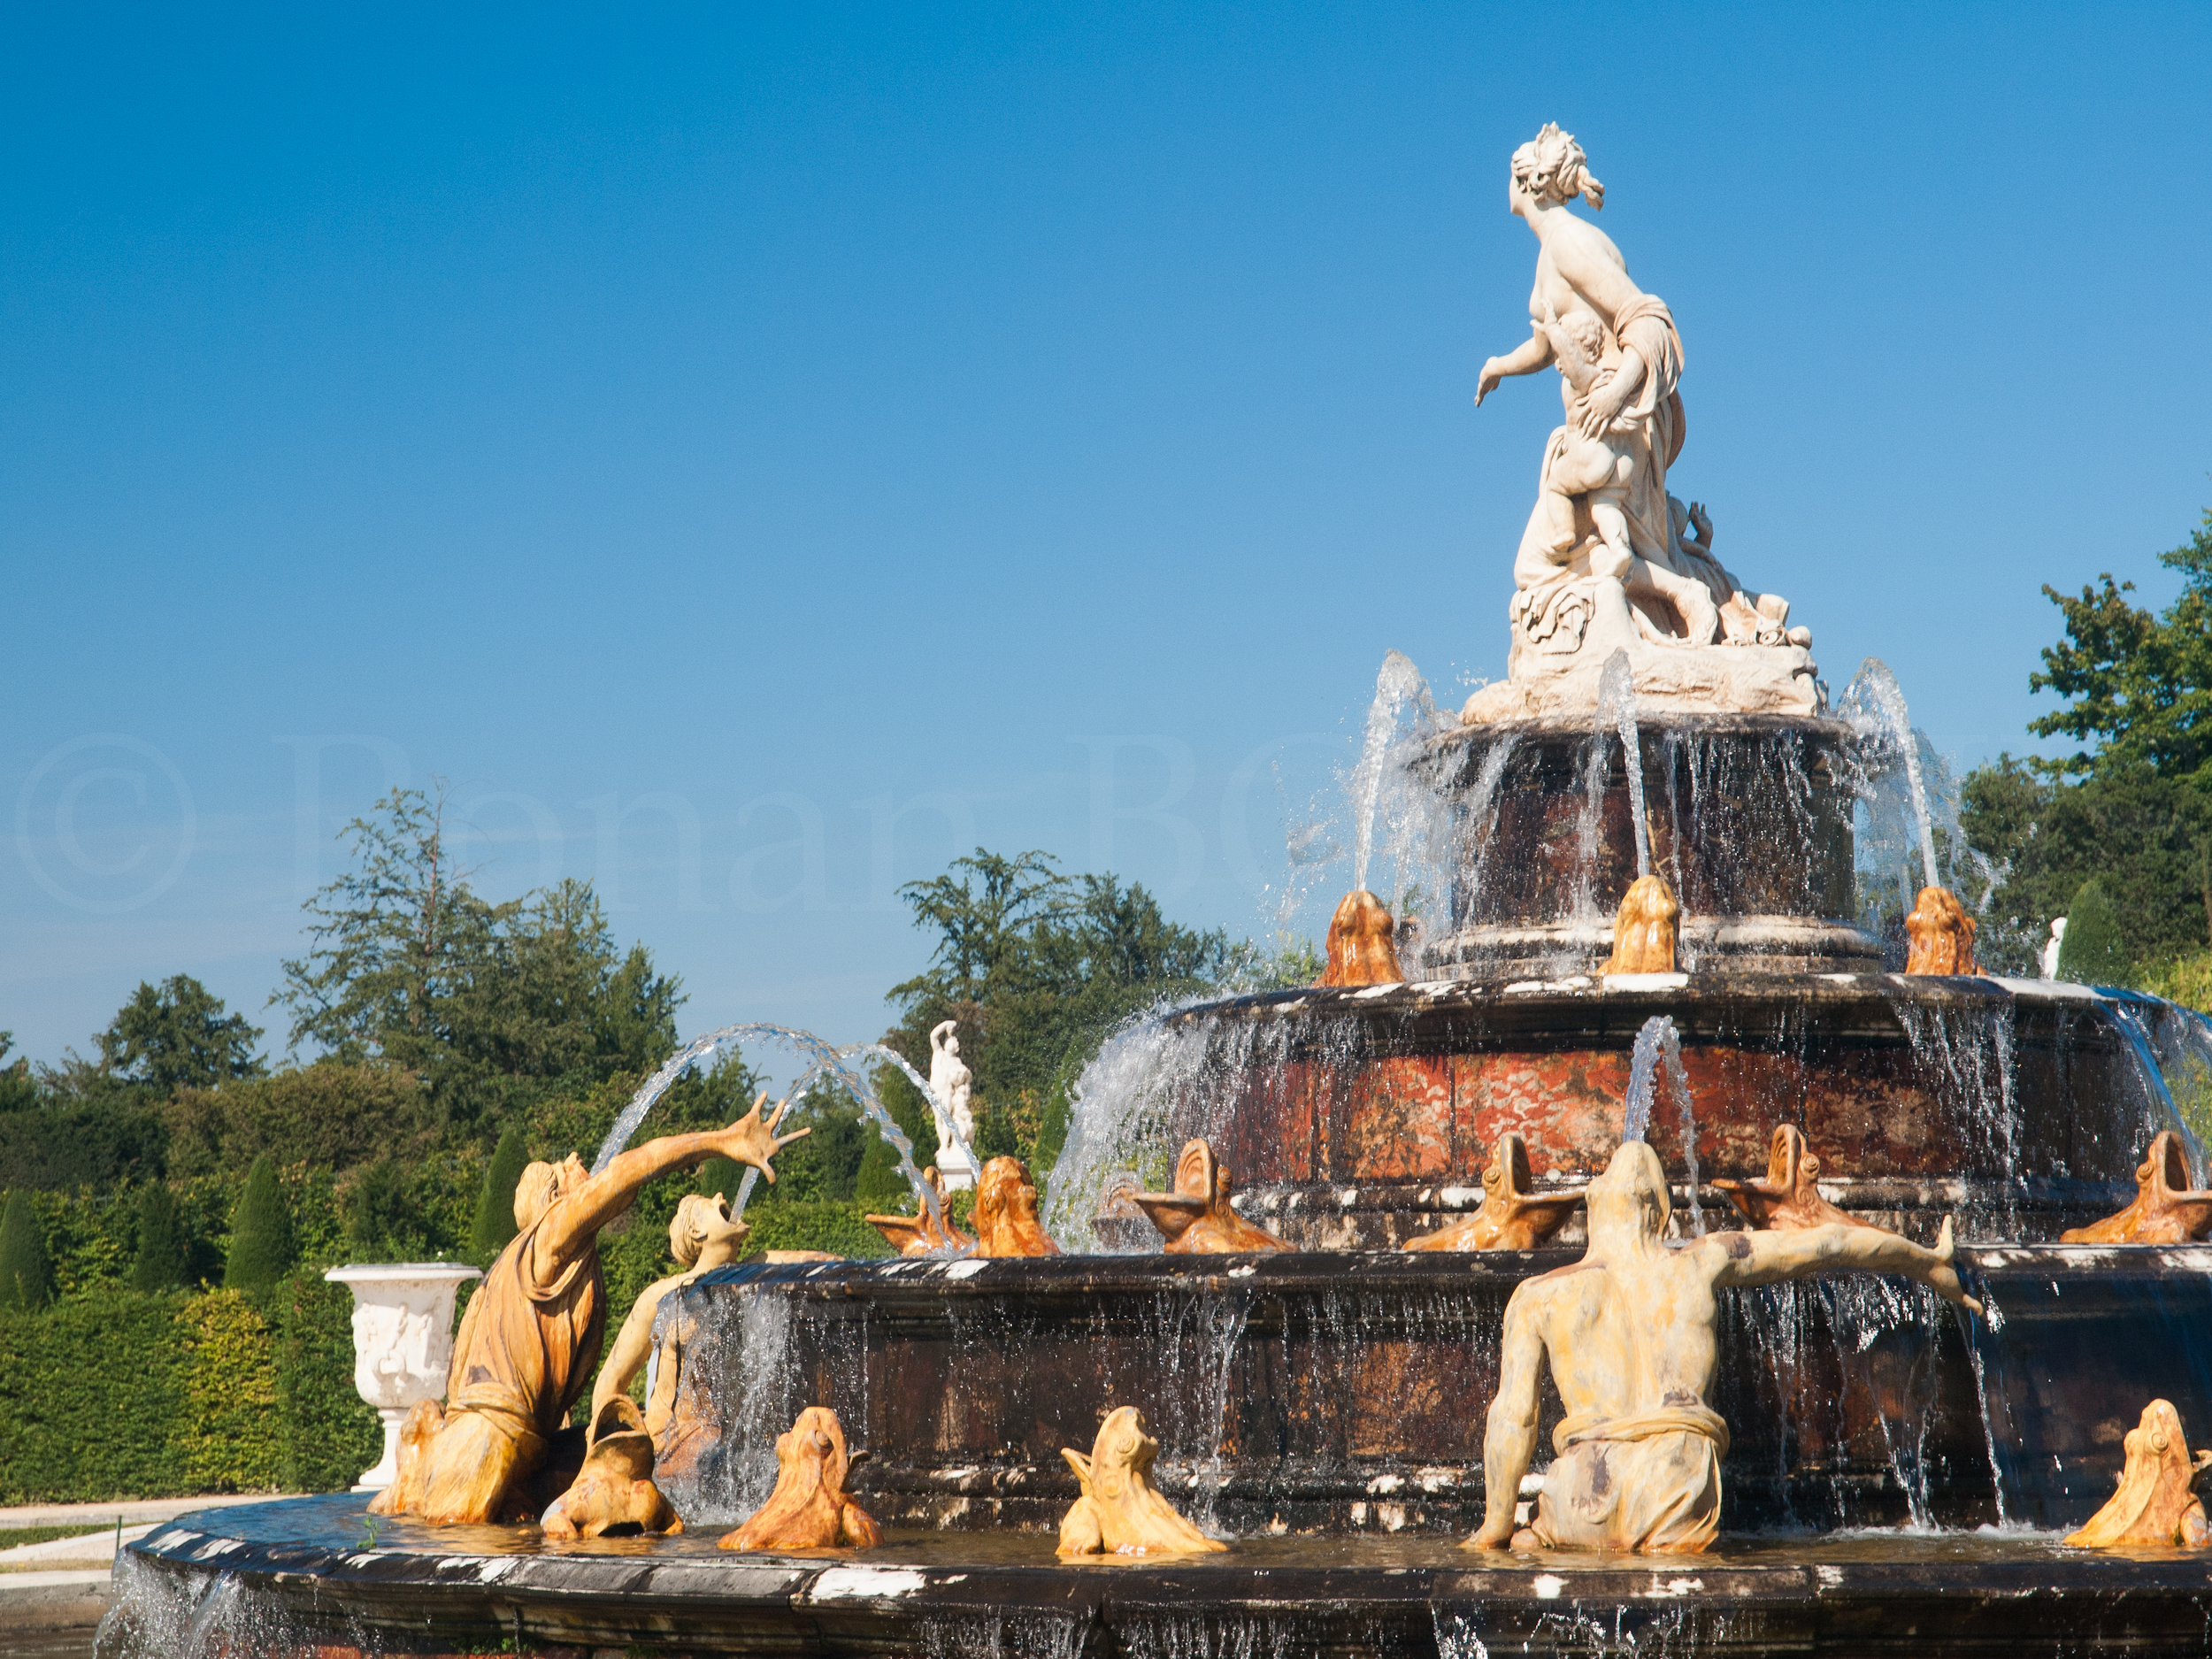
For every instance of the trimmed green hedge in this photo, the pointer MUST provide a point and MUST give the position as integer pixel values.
(121, 1394)
(837, 1228)
(113, 1393)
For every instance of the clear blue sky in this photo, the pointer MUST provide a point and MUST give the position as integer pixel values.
(756, 454)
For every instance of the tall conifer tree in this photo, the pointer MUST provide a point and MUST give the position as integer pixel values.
(261, 1246)
(26, 1274)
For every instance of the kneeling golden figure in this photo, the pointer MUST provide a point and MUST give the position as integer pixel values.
(1632, 1336)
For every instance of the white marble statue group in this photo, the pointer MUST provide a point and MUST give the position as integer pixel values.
(1609, 560)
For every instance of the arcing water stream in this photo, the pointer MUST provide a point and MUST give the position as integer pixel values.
(825, 1063)
(1616, 709)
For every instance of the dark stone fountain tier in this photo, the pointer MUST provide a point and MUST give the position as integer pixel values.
(1360, 1118)
(1749, 818)
(301, 1576)
(1347, 1393)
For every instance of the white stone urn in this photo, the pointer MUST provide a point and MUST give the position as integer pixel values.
(403, 1341)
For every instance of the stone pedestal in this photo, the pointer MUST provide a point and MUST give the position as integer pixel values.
(403, 1341)
(1749, 817)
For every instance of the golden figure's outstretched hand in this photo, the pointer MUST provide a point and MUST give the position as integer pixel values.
(749, 1140)
(1943, 1278)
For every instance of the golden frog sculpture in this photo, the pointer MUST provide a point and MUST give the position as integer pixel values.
(1006, 1221)
(2154, 1505)
(2165, 1211)
(1121, 1512)
(1362, 944)
(1511, 1218)
(809, 1509)
(1195, 1218)
(1645, 928)
(925, 1231)
(615, 1486)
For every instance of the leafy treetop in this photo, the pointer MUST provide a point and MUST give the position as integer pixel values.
(2141, 686)
(176, 1036)
(492, 1004)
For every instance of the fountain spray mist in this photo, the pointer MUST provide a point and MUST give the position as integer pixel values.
(824, 1063)
(1874, 692)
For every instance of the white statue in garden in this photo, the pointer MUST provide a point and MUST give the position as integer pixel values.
(950, 1082)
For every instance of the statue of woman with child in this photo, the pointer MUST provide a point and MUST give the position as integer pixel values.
(1609, 560)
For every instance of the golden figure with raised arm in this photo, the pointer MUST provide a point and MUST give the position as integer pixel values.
(532, 1335)
(1631, 1333)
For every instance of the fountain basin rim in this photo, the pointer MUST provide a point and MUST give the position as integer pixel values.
(1703, 723)
(2003, 1596)
(1728, 985)
(1318, 1272)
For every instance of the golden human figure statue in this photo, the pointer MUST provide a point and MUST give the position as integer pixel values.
(1631, 1333)
(531, 1337)
(702, 1236)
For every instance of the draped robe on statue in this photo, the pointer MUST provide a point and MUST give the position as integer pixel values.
(1649, 1481)
(523, 1356)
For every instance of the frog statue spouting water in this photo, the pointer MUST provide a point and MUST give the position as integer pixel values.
(809, 1509)
(2154, 1505)
(1121, 1512)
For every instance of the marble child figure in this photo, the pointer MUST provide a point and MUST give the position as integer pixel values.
(1631, 1333)
(531, 1337)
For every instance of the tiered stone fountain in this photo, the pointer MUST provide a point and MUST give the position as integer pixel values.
(1901, 1470)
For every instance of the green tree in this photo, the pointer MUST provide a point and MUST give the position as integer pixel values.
(495, 1006)
(2132, 809)
(877, 1183)
(380, 1217)
(160, 1264)
(2094, 950)
(2142, 835)
(178, 1036)
(2139, 687)
(1036, 967)
(493, 1228)
(261, 1246)
(389, 936)
(26, 1274)
(19, 1090)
